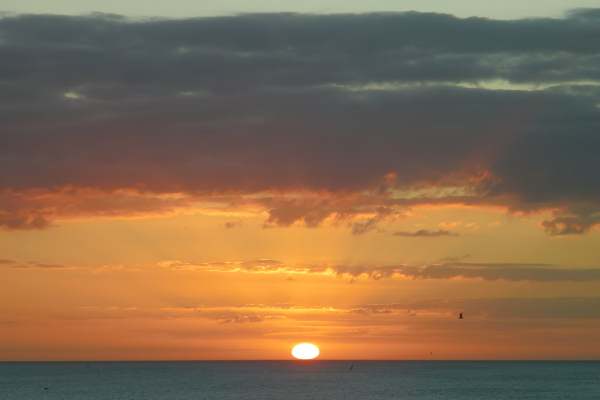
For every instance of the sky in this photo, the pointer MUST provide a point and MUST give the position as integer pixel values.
(506, 9)
(221, 180)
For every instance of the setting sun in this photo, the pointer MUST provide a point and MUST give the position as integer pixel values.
(305, 351)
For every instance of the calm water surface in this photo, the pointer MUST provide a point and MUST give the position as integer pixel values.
(284, 380)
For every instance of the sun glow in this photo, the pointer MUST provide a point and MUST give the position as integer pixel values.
(305, 351)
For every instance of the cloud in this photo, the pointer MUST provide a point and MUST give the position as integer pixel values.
(572, 222)
(425, 233)
(476, 309)
(49, 267)
(485, 271)
(451, 269)
(35, 265)
(243, 319)
(362, 227)
(506, 272)
(307, 49)
(35, 209)
(264, 265)
(370, 224)
(11, 219)
(244, 314)
(491, 308)
(324, 117)
(443, 270)
(233, 224)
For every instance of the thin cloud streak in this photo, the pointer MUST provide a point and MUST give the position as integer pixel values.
(512, 272)
(425, 233)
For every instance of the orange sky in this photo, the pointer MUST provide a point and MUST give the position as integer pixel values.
(187, 287)
(225, 187)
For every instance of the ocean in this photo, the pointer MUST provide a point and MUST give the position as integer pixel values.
(290, 380)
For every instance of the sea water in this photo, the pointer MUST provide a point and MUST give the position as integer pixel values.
(289, 380)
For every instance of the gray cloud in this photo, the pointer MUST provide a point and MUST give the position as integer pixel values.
(295, 49)
(287, 102)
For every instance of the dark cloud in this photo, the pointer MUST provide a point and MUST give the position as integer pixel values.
(294, 49)
(425, 233)
(331, 105)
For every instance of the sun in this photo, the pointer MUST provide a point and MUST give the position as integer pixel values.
(305, 351)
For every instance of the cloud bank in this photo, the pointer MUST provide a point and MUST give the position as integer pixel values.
(326, 116)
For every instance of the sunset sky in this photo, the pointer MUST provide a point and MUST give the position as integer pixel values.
(221, 180)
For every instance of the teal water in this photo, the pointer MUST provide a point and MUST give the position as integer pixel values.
(289, 380)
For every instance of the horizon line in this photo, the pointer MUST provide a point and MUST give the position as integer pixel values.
(305, 361)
